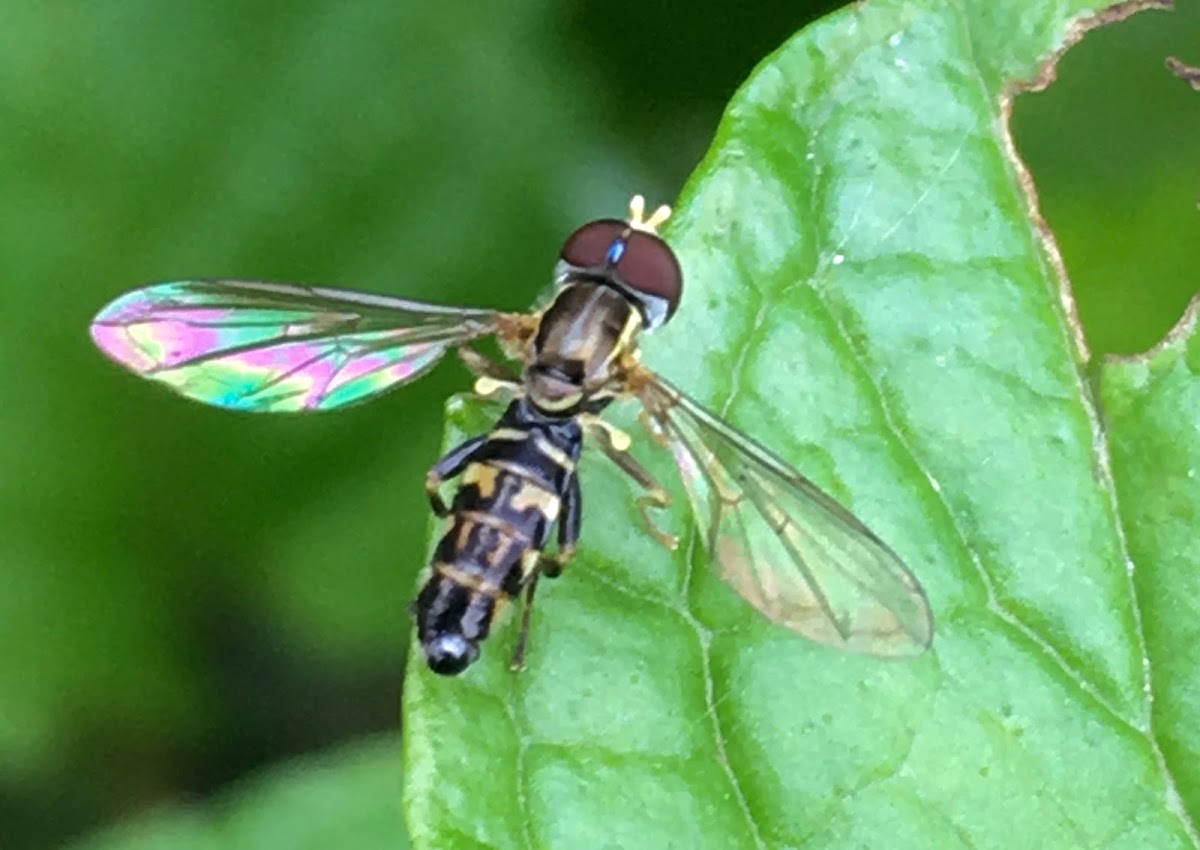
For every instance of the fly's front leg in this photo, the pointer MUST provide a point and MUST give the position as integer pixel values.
(450, 466)
(551, 565)
(615, 443)
(486, 367)
(491, 378)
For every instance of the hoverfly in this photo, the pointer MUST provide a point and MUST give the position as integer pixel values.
(788, 548)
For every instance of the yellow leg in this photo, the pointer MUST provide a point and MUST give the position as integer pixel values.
(615, 443)
(492, 379)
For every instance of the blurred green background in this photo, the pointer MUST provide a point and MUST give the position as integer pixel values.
(187, 595)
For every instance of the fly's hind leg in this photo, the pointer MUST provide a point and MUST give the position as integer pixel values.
(450, 466)
(615, 443)
(551, 565)
(518, 657)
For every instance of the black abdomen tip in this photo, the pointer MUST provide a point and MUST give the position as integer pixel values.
(449, 654)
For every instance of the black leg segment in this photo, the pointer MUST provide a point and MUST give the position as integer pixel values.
(518, 658)
(451, 465)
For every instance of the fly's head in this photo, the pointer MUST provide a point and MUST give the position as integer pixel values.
(614, 279)
(630, 257)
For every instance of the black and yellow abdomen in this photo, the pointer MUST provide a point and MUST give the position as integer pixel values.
(514, 484)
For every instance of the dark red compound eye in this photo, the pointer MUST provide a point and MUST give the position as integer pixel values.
(650, 266)
(642, 261)
(589, 246)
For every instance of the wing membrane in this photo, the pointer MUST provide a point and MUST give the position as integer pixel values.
(279, 347)
(788, 548)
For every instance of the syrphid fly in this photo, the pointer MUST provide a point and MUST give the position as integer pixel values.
(788, 548)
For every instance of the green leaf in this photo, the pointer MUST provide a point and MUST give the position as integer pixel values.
(1151, 406)
(346, 799)
(871, 291)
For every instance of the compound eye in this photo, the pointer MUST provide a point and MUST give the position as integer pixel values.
(591, 245)
(650, 266)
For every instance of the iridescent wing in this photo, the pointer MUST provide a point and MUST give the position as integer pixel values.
(279, 347)
(792, 551)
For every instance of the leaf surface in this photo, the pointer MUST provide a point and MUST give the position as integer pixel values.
(871, 292)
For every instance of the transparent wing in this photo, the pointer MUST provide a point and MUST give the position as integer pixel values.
(278, 347)
(792, 551)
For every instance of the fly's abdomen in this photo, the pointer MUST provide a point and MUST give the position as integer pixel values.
(501, 518)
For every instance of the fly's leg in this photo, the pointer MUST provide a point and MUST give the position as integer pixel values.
(568, 531)
(651, 425)
(486, 367)
(450, 466)
(615, 443)
(551, 565)
(491, 378)
(518, 658)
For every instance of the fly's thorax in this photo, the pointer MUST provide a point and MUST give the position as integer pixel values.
(581, 336)
(627, 256)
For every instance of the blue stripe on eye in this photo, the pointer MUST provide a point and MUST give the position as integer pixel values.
(615, 252)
